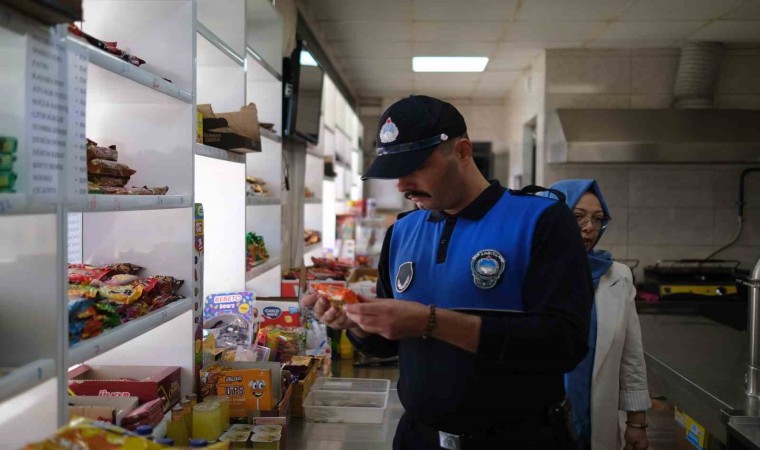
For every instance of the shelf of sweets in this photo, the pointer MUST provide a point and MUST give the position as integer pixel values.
(101, 202)
(252, 200)
(219, 153)
(17, 380)
(114, 337)
(131, 72)
(262, 268)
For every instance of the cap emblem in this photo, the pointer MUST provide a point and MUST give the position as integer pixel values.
(389, 132)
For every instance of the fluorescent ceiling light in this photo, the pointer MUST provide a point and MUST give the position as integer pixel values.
(307, 60)
(449, 63)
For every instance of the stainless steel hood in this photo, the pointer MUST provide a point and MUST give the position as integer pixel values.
(653, 136)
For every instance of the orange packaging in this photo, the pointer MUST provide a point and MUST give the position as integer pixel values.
(248, 390)
(337, 295)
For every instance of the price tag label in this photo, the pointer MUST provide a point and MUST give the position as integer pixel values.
(75, 238)
(47, 111)
(76, 158)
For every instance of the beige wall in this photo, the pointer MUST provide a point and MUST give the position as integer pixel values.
(659, 211)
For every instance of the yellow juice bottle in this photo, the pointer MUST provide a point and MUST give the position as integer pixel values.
(176, 428)
(224, 404)
(206, 421)
(187, 414)
(193, 399)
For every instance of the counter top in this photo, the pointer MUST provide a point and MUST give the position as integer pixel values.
(699, 365)
(304, 435)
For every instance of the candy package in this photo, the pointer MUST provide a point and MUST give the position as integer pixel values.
(336, 295)
(284, 343)
(85, 434)
(110, 168)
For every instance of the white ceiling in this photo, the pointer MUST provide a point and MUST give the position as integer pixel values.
(373, 41)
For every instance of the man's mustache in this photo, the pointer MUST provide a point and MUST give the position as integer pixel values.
(409, 194)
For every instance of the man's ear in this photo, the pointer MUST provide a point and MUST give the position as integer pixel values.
(463, 149)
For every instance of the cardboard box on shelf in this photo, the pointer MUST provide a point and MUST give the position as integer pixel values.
(690, 434)
(279, 312)
(236, 383)
(235, 131)
(144, 382)
(108, 409)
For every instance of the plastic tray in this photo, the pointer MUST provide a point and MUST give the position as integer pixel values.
(345, 407)
(351, 385)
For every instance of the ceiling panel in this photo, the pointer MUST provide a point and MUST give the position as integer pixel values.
(552, 31)
(367, 31)
(633, 31)
(379, 64)
(444, 78)
(458, 31)
(729, 31)
(679, 9)
(475, 10)
(749, 10)
(384, 11)
(496, 78)
(353, 49)
(570, 11)
(630, 44)
(454, 48)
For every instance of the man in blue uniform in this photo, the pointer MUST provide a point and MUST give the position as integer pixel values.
(484, 294)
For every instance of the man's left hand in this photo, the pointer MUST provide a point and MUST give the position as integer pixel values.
(390, 318)
(636, 439)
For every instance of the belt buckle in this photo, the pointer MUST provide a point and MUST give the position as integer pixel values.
(449, 441)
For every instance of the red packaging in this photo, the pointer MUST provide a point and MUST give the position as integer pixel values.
(147, 383)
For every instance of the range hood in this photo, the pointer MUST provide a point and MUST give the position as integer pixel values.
(692, 131)
(654, 136)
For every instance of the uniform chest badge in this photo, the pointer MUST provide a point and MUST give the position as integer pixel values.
(487, 267)
(388, 132)
(404, 276)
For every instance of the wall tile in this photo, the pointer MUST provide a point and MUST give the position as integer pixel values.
(617, 232)
(670, 187)
(726, 187)
(651, 101)
(670, 226)
(653, 74)
(726, 224)
(588, 75)
(613, 181)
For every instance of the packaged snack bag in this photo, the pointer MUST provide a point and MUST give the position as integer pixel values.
(336, 295)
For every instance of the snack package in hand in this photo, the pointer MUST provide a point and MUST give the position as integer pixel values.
(336, 295)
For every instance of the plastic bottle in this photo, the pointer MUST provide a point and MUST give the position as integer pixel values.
(193, 399)
(224, 403)
(198, 443)
(345, 346)
(168, 442)
(187, 415)
(207, 421)
(145, 432)
(176, 429)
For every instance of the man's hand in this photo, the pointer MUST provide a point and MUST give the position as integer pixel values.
(636, 439)
(326, 312)
(390, 318)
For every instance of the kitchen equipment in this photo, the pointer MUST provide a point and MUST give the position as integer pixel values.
(753, 365)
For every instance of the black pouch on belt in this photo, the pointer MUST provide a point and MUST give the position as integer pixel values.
(559, 419)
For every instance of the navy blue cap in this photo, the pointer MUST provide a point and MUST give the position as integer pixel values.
(409, 131)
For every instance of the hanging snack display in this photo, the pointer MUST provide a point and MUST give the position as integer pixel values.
(255, 187)
(105, 175)
(256, 250)
(105, 297)
(8, 147)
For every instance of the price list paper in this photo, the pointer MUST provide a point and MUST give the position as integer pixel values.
(77, 140)
(47, 112)
(75, 238)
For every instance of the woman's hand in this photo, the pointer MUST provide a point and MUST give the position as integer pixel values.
(635, 438)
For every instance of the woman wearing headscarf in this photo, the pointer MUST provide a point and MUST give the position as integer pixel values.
(612, 377)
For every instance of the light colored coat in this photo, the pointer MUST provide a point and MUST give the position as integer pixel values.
(619, 380)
